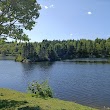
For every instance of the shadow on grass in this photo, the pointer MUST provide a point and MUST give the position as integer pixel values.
(6, 104)
(29, 108)
(11, 103)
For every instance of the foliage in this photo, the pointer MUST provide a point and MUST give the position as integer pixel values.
(29, 52)
(16, 15)
(57, 50)
(19, 58)
(40, 89)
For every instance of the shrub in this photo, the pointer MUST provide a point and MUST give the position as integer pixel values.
(19, 58)
(40, 89)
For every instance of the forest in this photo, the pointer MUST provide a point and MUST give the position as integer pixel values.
(56, 49)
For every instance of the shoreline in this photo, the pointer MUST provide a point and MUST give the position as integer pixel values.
(11, 96)
(76, 60)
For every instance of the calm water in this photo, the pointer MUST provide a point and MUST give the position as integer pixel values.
(84, 83)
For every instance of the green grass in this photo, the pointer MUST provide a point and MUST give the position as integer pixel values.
(13, 100)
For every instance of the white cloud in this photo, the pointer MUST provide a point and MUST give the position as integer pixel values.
(51, 6)
(46, 7)
(71, 34)
(89, 13)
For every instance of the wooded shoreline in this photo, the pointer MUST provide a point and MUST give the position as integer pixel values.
(57, 50)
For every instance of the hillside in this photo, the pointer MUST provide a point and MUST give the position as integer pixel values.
(13, 100)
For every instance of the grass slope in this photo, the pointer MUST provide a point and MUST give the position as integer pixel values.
(13, 100)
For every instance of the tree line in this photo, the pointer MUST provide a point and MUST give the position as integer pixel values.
(56, 49)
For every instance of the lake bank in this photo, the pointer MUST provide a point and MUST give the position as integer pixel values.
(80, 60)
(89, 60)
(10, 99)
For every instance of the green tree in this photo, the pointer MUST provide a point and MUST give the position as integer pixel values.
(43, 52)
(16, 15)
(52, 55)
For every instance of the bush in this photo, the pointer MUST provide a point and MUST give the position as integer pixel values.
(40, 89)
(19, 58)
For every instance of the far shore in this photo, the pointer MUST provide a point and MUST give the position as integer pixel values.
(80, 60)
(90, 60)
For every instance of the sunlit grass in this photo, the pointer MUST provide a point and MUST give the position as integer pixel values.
(13, 100)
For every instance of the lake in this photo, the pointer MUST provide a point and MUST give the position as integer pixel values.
(83, 83)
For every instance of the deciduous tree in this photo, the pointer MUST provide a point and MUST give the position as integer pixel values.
(17, 15)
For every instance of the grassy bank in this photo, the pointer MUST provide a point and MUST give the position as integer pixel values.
(13, 100)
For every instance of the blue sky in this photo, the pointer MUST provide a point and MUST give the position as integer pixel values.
(72, 19)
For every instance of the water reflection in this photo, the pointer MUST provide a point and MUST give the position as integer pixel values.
(31, 66)
(28, 67)
(45, 65)
(36, 71)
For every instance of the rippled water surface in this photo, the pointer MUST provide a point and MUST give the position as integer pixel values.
(84, 83)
